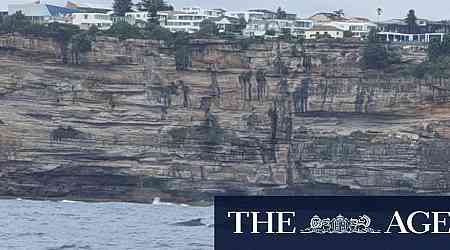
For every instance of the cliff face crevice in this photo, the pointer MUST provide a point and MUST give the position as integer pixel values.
(128, 126)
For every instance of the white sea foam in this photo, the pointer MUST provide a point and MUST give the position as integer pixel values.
(157, 201)
(68, 201)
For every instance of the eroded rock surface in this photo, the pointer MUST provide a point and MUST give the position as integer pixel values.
(117, 128)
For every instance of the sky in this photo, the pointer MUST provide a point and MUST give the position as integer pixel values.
(429, 9)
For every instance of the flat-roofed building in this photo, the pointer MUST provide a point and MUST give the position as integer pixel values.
(187, 19)
(277, 27)
(397, 30)
(359, 27)
(247, 15)
(324, 31)
(87, 20)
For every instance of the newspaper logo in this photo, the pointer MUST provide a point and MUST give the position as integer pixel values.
(340, 225)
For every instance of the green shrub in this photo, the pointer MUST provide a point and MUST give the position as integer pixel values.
(123, 31)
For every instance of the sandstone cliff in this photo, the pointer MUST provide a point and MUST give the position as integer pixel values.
(118, 128)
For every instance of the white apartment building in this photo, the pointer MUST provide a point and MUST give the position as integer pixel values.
(247, 15)
(86, 20)
(359, 28)
(138, 15)
(255, 28)
(144, 16)
(322, 31)
(278, 26)
(188, 19)
(206, 12)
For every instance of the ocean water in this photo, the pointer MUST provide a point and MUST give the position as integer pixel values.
(54, 225)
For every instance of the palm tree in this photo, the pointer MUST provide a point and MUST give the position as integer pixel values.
(379, 13)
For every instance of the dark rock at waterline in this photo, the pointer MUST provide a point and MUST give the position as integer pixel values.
(190, 223)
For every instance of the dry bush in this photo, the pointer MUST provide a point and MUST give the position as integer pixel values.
(9, 146)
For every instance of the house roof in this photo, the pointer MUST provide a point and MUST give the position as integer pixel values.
(328, 15)
(263, 11)
(401, 21)
(325, 28)
(225, 19)
(37, 9)
(60, 11)
(87, 8)
(359, 19)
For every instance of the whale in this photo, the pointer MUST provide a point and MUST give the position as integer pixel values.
(190, 223)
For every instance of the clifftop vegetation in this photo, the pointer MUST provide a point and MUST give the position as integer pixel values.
(438, 60)
(377, 55)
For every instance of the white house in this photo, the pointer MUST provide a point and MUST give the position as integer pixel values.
(86, 20)
(319, 31)
(188, 19)
(247, 15)
(139, 15)
(255, 28)
(206, 12)
(226, 24)
(358, 26)
(295, 27)
(397, 30)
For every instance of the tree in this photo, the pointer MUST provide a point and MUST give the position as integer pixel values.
(438, 60)
(208, 28)
(411, 21)
(153, 6)
(183, 53)
(156, 32)
(438, 48)
(121, 7)
(339, 12)
(281, 14)
(17, 22)
(242, 24)
(379, 13)
(9, 146)
(62, 34)
(271, 33)
(376, 55)
(81, 43)
(124, 30)
(348, 34)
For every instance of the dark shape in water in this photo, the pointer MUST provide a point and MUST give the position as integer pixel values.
(190, 223)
